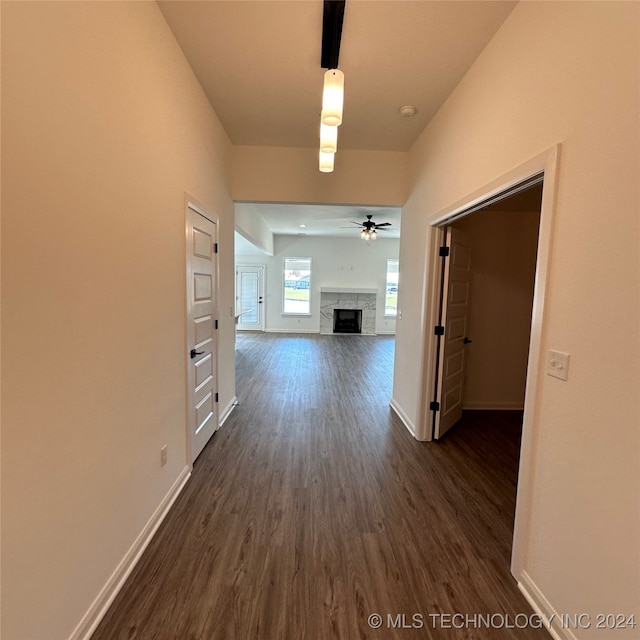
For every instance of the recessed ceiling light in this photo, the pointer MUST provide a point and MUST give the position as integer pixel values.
(303, 226)
(408, 111)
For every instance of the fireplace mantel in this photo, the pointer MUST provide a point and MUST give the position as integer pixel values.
(347, 290)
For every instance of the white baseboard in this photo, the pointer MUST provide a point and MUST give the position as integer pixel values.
(399, 411)
(493, 406)
(542, 607)
(292, 331)
(101, 604)
(330, 333)
(227, 411)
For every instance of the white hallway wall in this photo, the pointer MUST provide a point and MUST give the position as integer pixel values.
(339, 262)
(104, 128)
(568, 73)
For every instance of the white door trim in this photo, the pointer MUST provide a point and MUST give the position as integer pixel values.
(190, 203)
(545, 163)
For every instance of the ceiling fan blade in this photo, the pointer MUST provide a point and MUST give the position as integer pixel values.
(384, 224)
(378, 229)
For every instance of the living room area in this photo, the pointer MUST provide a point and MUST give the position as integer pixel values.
(298, 272)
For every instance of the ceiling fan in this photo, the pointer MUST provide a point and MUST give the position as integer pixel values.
(370, 225)
(369, 228)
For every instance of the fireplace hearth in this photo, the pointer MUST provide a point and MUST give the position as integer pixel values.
(347, 321)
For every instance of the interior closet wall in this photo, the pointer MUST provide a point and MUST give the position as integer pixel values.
(504, 247)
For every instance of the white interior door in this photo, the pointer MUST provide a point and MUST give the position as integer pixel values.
(249, 297)
(201, 331)
(455, 320)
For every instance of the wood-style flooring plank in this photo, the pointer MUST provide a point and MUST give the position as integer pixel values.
(313, 507)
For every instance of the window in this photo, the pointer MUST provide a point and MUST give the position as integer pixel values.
(391, 299)
(297, 286)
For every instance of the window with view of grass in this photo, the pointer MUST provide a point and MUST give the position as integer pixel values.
(297, 286)
(391, 291)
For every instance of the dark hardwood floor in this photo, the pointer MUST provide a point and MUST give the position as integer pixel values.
(313, 508)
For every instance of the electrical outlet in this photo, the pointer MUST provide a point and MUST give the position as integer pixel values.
(163, 456)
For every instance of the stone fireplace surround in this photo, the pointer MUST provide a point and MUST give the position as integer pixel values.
(348, 298)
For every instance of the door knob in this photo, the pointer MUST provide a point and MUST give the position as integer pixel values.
(195, 353)
(467, 341)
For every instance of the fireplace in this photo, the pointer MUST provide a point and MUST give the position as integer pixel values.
(348, 299)
(347, 321)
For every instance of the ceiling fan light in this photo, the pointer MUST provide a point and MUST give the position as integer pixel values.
(373, 234)
(328, 138)
(326, 162)
(333, 97)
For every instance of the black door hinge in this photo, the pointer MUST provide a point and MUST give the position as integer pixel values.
(439, 330)
(216, 397)
(215, 248)
(216, 324)
(444, 252)
(434, 406)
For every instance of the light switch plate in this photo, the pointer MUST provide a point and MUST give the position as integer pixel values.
(558, 364)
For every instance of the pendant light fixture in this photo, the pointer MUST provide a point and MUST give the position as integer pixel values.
(328, 138)
(333, 87)
(326, 161)
(333, 97)
(331, 118)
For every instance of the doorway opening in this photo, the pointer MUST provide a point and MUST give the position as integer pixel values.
(486, 307)
(541, 169)
(486, 302)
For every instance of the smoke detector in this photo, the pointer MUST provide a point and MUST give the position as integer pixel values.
(408, 111)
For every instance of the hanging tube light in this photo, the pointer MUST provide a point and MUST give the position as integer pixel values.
(328, 138)
(333, 97)
(326, 162)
